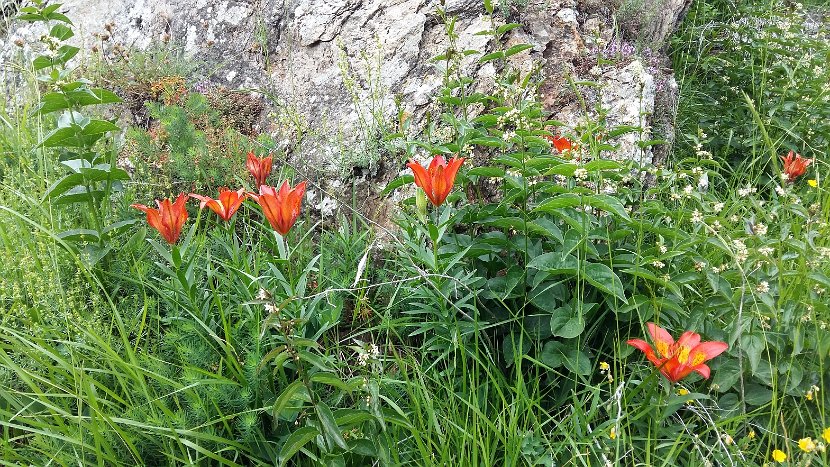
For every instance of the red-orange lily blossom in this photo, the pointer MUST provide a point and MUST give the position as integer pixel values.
(282, 207)
(226, 205)
(676, 360)
(168, 219)
(260, 168)
(561, 143)
(437, 180)
(795, 165)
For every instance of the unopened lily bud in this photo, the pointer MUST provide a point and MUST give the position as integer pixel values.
(421, 205)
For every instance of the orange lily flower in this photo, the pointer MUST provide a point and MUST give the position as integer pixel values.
(168, 219)
(437, 180)
(260, 168)
(226, 205)
(795, 167)
(561, 143)
(676, 360)
(282, 207)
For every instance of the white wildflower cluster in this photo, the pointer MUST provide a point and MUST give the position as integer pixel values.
(741, 251)
(762, 287)
(608, 187)
(263, 294)
(759, 229)
(697, 217)
(658, 264)
(443, 134)
(368, 355)
(746, 191)
(718, 207)
(702, 153)
(699, 265)
(687, 190)
(663, 249)
(515, 117)
(508, 136)
(720, 269)
(780, 191)
(580, 173)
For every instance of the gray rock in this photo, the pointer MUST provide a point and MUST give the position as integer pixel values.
(339, 64)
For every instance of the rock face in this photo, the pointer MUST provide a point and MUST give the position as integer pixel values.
(348, 65)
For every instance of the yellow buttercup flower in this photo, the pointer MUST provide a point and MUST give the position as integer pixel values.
(779, 456)
(806, 444)
(812, 182)
(826, 434)
(613, 433)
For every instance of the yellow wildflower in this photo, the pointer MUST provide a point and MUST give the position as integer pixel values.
(613, 433)
(604, 366)
(806, 444)
(812, 182)
(826, 434)
(779, 456)
(751, 434)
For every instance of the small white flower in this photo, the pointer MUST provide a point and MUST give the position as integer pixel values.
(718, 207)
(762, 287)
(697, 217)
(658, 264)
(262, 294)
(580, 173)
(759, 229)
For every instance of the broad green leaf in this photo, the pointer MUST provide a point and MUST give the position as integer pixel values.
(63, 184)
(397, 183)
(603, 278)
(330, 428)
(296, 441)
(567, 322)
(566, 200)
(609, 204)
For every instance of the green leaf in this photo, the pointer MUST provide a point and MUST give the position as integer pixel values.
(753, 346)
(96, 127)
(90, 255)
(565, 200)
(601, 164)
(565, 169)
(61, 32)
(296, 441)
(556, 354)
(63, 184)
(555, 263)
(330, 427)
(567, 322)
(608, 204)
(78, 194)
(517, 49)
(507, 27)
(603, 278)
(397, 183)
(60, 137)
(487, 172)
(52, 102)
(79, 235)
(289, 394)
